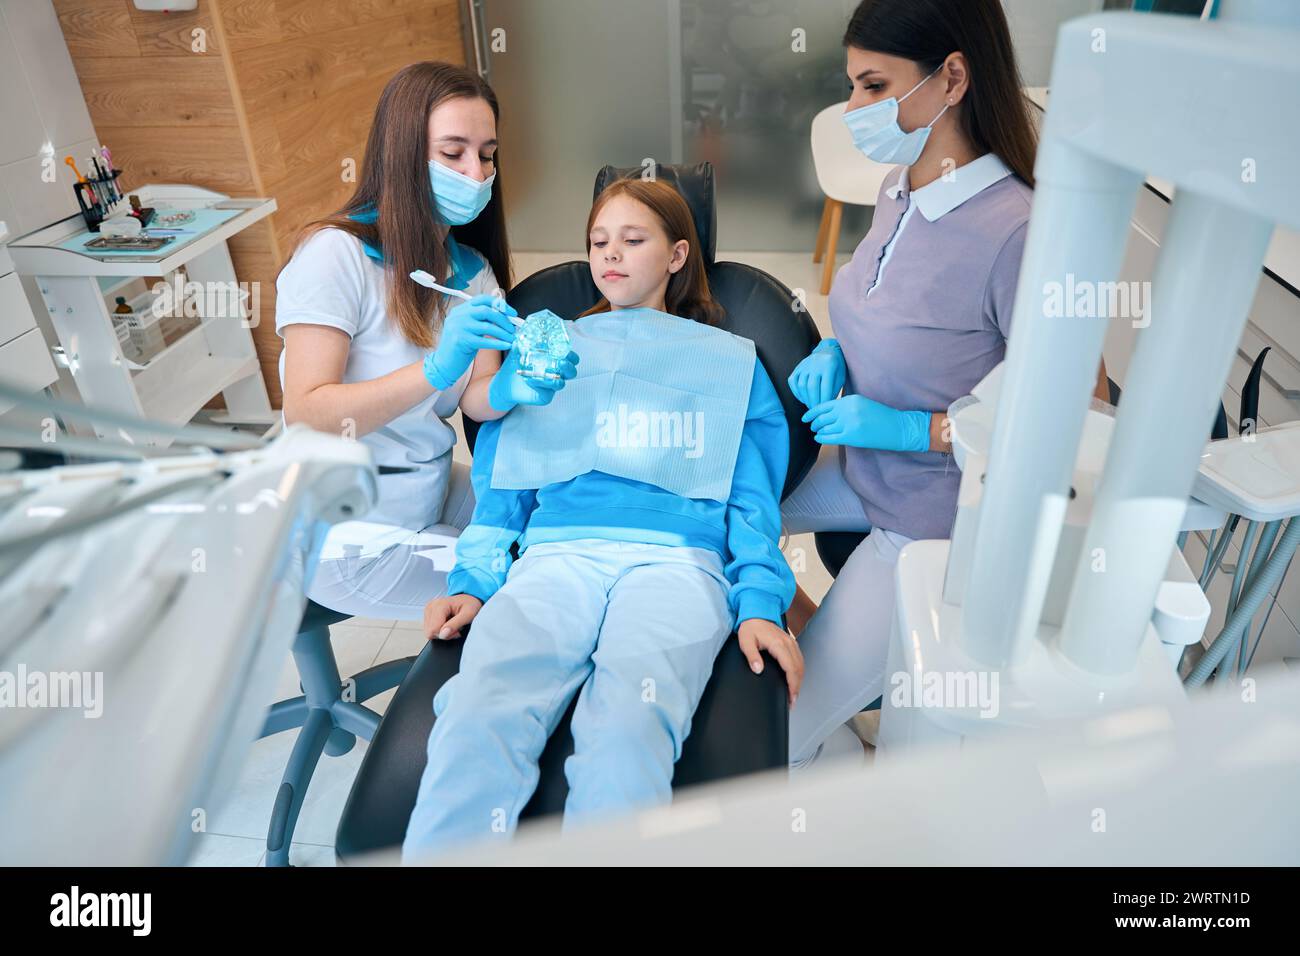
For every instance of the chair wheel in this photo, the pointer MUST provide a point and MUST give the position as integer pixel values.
(340, 742)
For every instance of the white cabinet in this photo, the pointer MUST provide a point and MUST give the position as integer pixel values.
(216, 355)
(24, 358)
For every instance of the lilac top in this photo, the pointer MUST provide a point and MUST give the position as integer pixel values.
(935, 324)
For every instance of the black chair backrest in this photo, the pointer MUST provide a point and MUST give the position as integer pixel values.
(758, 307)
(695, 183)
(1248, 413)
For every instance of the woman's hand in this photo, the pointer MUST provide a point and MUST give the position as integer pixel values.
(757, 635)
(445, 616)
(509, 388)
(820, 376)
(481, 323)
(862, 423)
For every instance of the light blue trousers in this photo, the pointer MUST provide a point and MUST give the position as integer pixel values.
(632, 628)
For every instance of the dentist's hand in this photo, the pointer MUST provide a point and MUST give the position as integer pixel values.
(481, 323)
(862, 423)
(508, 388)
(820, 376)
(757, 635)
(445, 616)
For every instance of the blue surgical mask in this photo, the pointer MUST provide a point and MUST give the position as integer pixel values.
(876, 131)
(458, 198)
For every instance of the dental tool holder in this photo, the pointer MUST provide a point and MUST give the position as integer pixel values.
(92, 194)
(1059, 597)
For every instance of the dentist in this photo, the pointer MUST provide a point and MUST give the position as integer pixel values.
(921, 314)
(371, 355)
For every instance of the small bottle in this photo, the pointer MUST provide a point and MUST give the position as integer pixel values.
(122, 327)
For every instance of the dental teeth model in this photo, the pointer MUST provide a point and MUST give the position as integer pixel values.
(543, 343)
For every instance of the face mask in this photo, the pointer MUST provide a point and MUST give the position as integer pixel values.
(458, 198)
(876, 131)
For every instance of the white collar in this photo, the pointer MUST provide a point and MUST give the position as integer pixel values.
(942, 196)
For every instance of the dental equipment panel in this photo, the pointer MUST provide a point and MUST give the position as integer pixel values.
(150, 607)
(1062, 585)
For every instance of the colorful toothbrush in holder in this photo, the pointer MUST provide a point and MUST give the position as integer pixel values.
(97, 191)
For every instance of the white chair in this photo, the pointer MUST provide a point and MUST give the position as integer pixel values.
(844, 175)
(1255, 477)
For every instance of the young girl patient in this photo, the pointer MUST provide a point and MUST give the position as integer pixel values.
(644, 500)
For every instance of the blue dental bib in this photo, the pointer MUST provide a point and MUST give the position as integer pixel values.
(657, 398)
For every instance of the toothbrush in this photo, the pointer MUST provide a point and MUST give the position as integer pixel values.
(423, 278)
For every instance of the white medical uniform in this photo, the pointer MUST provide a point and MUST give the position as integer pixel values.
(392, 561)
(845, 643)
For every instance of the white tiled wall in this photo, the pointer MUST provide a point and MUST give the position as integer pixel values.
(43, 117)
(42, 113)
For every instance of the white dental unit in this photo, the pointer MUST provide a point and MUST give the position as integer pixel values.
(149, 607)
(1062, 576)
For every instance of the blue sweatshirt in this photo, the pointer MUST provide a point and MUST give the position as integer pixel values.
(744, 531)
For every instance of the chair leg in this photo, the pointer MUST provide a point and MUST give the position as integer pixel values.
(356, 719)
(330, 725)
(832, 239)
(285, 715)
(318, 671)
(821, 231)
(293, 785)
(381, 677)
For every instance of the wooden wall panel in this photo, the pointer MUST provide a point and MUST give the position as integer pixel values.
(152, 154)
(188, 92)
(255, 252)
(97, 28)
(173, 33)
(253, 23)
(282, 93)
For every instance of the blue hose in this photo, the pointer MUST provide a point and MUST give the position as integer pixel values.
(1256, 591)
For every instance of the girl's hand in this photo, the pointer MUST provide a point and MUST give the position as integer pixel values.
(820, 376)
(756, 635)
(481, 323)
(445, 616)
(509, 388)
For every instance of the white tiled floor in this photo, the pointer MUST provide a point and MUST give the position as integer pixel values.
(236, 832)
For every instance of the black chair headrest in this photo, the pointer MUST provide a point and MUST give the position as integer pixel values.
(695, 183)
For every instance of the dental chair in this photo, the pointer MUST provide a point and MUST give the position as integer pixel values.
(740, 725)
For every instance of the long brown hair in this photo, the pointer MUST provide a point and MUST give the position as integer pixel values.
(395, 182)
(688, 292)
(995, 114)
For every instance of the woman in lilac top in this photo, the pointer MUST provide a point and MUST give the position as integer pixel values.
(921, 314)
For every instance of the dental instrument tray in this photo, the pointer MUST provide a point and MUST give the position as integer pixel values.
(124, 243)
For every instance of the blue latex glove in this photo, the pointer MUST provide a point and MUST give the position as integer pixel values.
(820, 376)
(862, 423)
(483, 322)
(508, 388)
